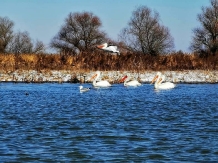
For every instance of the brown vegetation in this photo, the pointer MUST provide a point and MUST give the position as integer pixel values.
(92, 61)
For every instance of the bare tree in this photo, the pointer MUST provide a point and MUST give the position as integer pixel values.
(205, 39)
(6, 33)
(22, 44)
(145, 34)
(39, 47)
(80, 32)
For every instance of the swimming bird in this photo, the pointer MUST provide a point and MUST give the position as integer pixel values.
(126, 81)
(101, 83)
(83, 89)
(109, 48)
(158, 79)
(26, 93)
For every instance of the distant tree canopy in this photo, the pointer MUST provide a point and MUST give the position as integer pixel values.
(205, 39)
(80, 32)
(6, 33)
(21, 43)
(145, 34)
(16, 43)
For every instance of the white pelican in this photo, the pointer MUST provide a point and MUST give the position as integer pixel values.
(83, 89)
(102, 83)
(134, 83)
(159, 78)
(109, 48)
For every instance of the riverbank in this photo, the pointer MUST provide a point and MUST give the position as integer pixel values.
(186, 76)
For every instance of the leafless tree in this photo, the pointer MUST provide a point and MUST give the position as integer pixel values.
(39, 47)
(145, 34)
(205, 39)
(6, 33)
(80, 32)
(22, 44)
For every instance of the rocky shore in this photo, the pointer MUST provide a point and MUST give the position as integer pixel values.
(186, 76)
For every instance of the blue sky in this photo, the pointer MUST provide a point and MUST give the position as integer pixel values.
(44, 18)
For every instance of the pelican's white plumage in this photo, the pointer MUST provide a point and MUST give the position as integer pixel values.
(83, 89)
(102, 83)
(158, 79)
(126, 81)
(109, 48)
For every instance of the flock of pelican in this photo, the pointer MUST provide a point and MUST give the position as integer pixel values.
(158, 82)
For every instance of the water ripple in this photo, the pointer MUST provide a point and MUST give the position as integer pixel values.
(57, 123)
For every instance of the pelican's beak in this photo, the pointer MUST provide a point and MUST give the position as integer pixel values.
(154, 79)
(122, 80)
(94, 76)
(159, 80)
(100, 46)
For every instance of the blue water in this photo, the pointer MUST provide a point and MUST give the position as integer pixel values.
(56, 123)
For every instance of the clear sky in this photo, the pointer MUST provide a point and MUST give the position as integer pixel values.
(42, 19)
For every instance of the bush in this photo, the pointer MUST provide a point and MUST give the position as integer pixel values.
(90, 61)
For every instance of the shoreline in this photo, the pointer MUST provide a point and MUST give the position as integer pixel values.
(69, 76)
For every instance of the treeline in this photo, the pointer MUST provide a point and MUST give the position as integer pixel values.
(144, 33)
(91, 61)
(145, 44)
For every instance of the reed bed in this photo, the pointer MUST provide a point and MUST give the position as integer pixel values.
(92, 61)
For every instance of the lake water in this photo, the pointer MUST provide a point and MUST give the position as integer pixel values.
(56, 123)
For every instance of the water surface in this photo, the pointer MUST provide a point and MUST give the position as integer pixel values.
(57, 123)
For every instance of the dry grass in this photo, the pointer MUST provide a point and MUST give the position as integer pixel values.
(91, 61)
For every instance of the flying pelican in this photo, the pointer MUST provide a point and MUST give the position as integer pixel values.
(109, 48)
(83, 89)
(158, 79)
(134, 83)
(102, 83)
